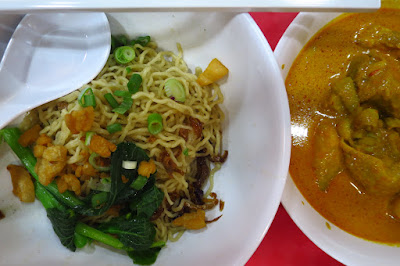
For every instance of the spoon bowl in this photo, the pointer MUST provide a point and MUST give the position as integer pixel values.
(49, 56)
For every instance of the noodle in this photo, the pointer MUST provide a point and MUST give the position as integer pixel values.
(155, 67)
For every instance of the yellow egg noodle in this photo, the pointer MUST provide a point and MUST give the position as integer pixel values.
(155, 67)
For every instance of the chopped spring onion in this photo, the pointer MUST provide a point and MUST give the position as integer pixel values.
(121, 39)
(143, 41)
(124, 106)
(129, 165)
(97, 184)
(139, 182)
(99, 199)
(106, 180)
(186, 152)
(122, 93)
(88, 137)
(111, 100)
(175, 90)
(124, 54)
(128, 70)
(92, 161)
(114, 128)
(134, 83)
(154, 123)
(86, 98)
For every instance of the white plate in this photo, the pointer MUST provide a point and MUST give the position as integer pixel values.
(257, 135)
(339, 244)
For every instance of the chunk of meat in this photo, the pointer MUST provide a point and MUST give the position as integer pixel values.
(22, 183)
(69, 182)
(376, 36)
(192, 221)
(346, 90)
(101, 146)
(375, 175)
(81, 120)
(30, 136)
(51, 164)
(147, 168)
(328, 159)
(214, 71)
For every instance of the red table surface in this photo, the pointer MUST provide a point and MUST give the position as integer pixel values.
(284, 243)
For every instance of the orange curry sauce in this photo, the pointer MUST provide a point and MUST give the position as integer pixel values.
(327, 54)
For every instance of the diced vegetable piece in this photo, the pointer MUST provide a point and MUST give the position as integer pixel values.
(111, 100)
(175, 90)
(134, 83)
(214, 71)
(92, 161)
(124, 106)
(88, 137)
(124, 54)
(154, 123)
(88, 98)
(192, 221)
(139, 182)
(143, 40)
(114, 128)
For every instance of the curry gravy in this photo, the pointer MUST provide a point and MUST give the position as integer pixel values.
(308, 85)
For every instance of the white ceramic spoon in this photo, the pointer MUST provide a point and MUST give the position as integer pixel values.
(48, 56)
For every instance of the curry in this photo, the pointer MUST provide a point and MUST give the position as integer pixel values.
(344, 97)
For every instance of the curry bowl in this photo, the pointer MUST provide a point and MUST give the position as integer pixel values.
(334, 224)
(256, 133)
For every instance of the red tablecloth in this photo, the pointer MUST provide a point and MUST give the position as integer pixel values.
(284, 243)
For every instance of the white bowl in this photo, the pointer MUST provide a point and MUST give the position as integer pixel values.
(256, 133)
(339, 244)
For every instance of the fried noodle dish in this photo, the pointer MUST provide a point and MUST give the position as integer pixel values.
(128, 159)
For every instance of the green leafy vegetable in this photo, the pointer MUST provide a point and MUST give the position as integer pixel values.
(135, 232)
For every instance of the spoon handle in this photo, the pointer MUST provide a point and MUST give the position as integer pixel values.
(192, 5)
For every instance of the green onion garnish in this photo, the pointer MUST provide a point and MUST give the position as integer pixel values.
(134, 83)
(121, 39)
(154, 123)
(124, 54)
(124, 106)
(186, 152)
(122, 94)
(175, 90)
(128, 70)
(88, 137)
(111, 100)
(86, 98)
(114, 128)
(99, 199)
(143, 41)
(139, 182)
(92, 161)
